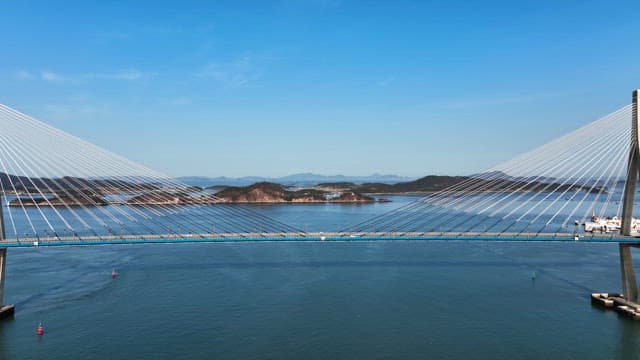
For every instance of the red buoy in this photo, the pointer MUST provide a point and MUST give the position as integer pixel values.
(40, 330)
(114, 274)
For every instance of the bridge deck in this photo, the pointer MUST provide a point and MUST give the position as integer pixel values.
(317, 236)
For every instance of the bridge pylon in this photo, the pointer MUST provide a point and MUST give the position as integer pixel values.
(5, 310)
(629, 283)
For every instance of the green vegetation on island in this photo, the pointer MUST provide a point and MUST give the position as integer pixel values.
(82, 192)
(265, 192)
(480, 183)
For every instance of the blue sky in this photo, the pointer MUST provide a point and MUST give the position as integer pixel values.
(272, 88)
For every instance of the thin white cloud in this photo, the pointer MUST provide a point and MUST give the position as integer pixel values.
(24, 75)
(51, 76)
(235, 73)
(47, 75)
(129, 75)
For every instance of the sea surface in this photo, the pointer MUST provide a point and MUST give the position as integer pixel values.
(323, 300)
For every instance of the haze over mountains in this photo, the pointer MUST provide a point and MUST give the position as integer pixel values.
(301, 179)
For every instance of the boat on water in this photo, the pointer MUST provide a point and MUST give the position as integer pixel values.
(609, 224)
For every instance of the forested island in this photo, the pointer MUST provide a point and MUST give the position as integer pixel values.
(82, 192)
(265, 192)
(479, 183)
(257, 193)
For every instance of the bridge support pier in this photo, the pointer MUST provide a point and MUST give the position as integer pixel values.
(629, 283)
(5, 310)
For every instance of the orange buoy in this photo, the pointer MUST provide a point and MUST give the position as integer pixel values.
(114, 274)
(40, 330)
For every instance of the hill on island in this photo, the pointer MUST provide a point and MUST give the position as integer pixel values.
(266, 192)
(13, 183)
(433, 183)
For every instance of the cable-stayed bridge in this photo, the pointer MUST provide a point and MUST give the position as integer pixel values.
(59, 190)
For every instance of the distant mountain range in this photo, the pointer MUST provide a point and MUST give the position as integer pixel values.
(302, 179)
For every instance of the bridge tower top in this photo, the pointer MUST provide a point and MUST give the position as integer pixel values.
(635, 118)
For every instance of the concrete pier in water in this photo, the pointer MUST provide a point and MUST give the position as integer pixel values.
(5, 310)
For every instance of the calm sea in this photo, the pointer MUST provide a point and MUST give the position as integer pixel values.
(404, 300)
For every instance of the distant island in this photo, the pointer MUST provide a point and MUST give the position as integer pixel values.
(99, 192)
(481, 183)
(265, 192)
